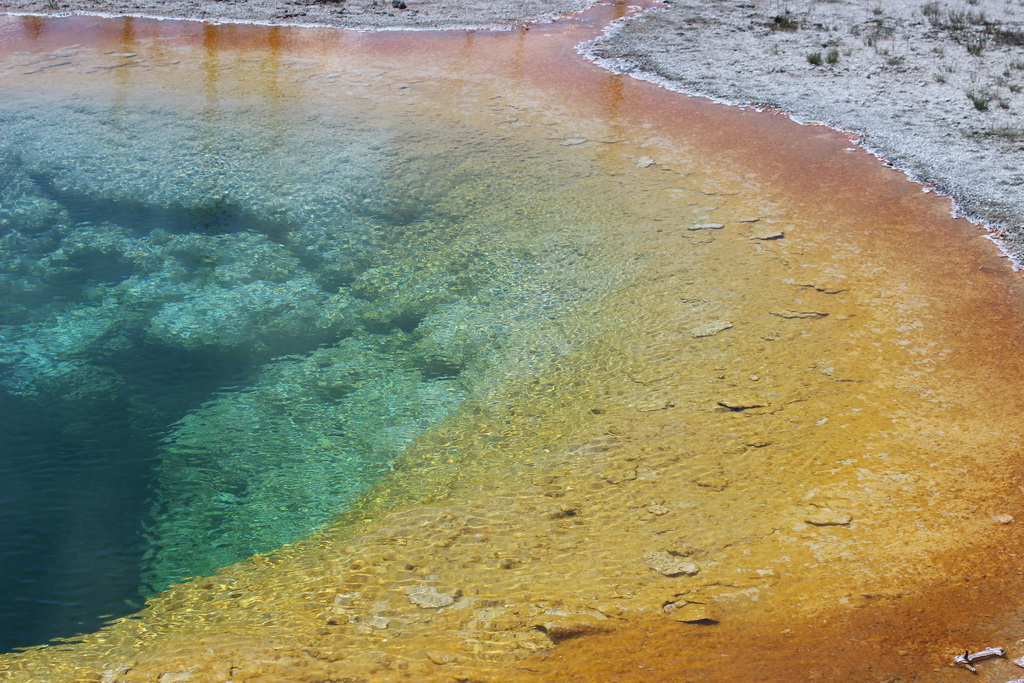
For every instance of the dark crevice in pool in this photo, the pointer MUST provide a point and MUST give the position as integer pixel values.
(211, 216)
(406, 322)
(440, 370)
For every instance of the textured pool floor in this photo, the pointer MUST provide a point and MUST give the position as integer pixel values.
(572, 358)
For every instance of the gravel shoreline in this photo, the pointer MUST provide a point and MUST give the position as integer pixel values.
(935, 88)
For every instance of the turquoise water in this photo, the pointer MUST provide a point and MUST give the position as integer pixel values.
(222, 322)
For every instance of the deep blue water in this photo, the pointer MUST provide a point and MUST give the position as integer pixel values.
(70, 480)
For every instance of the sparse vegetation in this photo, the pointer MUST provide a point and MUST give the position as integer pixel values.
(980, 100)
(976, 44)
(814, 58)
(1008, 133)
(971, 28)
(896, 60)
(833, 56)
(1005, 36)
(879, 31)
(785, 22)
(939, 78)
(956, 21)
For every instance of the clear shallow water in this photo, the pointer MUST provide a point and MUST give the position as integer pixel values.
(223, 319)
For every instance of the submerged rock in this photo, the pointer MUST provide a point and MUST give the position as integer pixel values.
(668, 564)
(710, 328)
(766, 233)
(713, 482)
(828, 517)
(742, 403)
(428, 597)
(565, 627)
(692, 612)
(799, 315)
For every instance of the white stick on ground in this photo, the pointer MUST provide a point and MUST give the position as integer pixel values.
(968, 658)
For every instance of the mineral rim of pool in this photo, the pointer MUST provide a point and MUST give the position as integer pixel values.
(505, 367)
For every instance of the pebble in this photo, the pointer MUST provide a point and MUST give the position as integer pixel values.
(802, 315)
(738, 404)
(828, 517)
(710, 328)
(766, 233)
(620, 476)
(644, 162)
(668, 564)
(427, 597)
(178, 677)
(378, 622)
(1003, 519)
(442, 658)
(706, 226)
(652, 405)
(564, 627)
(692, 612)
(712, 482)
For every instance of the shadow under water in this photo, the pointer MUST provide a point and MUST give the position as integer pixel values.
(452, 356)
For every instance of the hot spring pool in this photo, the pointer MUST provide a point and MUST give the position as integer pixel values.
(426, 354)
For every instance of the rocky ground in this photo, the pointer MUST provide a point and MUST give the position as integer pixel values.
(934, 87)
(363, 14)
